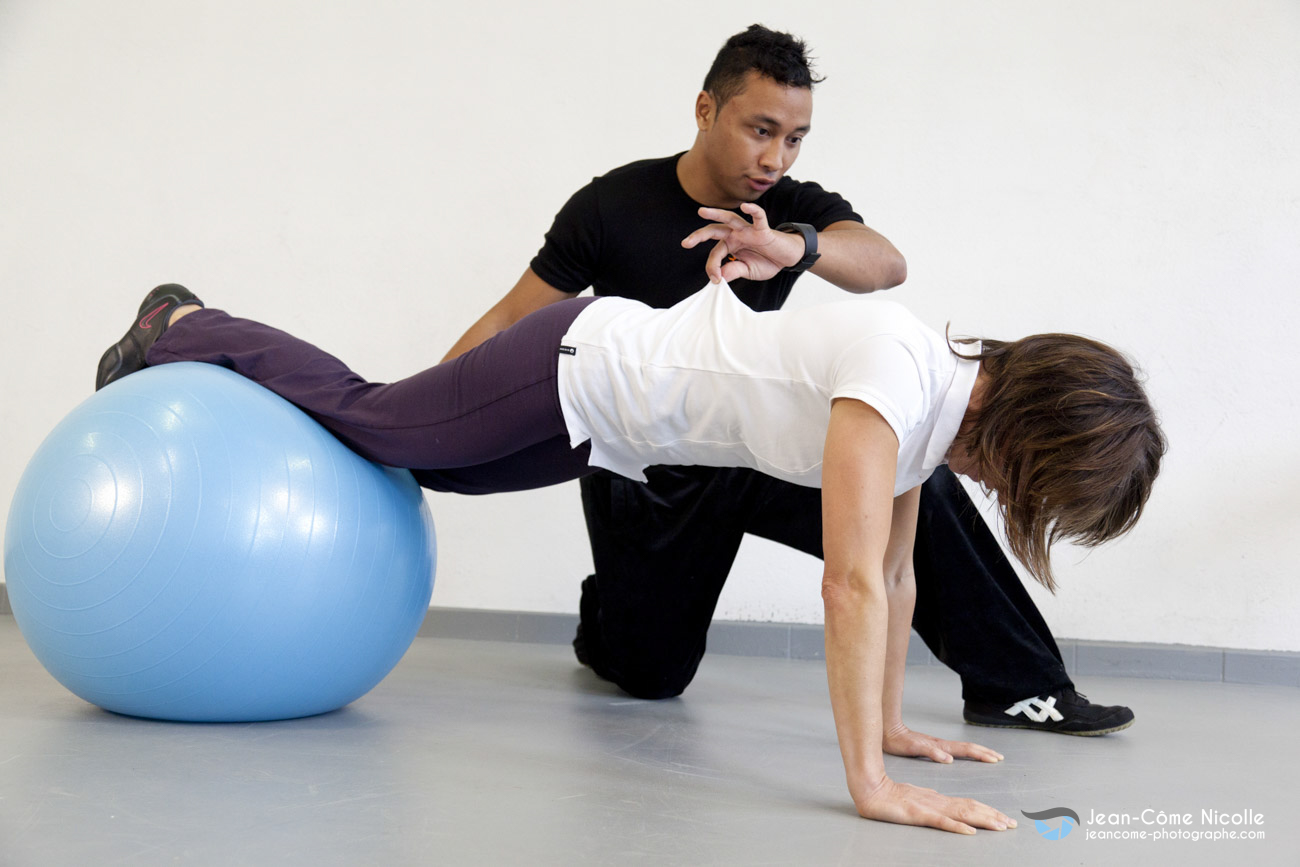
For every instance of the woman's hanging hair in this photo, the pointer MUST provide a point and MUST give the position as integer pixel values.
(1068, 440)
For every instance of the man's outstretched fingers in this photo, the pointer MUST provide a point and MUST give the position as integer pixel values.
(730, 219)
(711, 232)
(758, 215)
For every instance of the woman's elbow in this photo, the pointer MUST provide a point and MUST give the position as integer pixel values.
(850, 589)
(900, 579)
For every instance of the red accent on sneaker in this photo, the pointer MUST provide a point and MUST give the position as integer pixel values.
(145, 322)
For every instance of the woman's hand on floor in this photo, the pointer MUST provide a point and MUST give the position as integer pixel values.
(912, 805)
(899, 740)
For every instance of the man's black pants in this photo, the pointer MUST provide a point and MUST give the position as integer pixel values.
(663, 550)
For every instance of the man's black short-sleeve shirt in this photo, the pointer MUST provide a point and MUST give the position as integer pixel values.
(621, 234)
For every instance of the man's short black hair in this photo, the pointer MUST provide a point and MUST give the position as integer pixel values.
(779, 56)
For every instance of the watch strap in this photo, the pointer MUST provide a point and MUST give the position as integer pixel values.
(810, 254)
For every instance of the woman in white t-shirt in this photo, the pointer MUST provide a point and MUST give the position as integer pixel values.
(858, 398)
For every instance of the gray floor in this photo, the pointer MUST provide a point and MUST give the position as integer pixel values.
(489, 753)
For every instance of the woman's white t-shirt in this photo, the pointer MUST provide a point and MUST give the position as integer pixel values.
(711, 382)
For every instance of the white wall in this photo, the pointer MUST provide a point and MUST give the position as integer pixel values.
(1124, 168)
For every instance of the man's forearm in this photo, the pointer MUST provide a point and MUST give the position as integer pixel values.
(858, 259)
(530, 294)
(489, 324)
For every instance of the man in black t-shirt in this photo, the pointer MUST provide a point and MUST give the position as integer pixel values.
(622, 235)
(663, 549)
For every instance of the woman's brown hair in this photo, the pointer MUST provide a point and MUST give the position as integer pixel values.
(1066, 437)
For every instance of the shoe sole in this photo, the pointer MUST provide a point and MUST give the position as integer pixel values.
(1112, 730)
(110, 366)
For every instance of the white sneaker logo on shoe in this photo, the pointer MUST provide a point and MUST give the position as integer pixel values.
(1045, 709)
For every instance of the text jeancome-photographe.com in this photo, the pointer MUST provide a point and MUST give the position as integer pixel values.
(1153, 824)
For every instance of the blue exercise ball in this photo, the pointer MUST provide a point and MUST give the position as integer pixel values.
(186, 545)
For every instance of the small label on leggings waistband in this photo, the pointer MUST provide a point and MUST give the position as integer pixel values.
(568, 350)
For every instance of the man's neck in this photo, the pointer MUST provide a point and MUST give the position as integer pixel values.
(693, 175)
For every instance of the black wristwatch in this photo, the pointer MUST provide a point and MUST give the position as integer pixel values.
(810, 254)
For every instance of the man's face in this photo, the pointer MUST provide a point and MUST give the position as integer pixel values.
(751, 142)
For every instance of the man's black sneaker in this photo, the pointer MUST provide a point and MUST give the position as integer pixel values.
(1065, 712)
(127, 355)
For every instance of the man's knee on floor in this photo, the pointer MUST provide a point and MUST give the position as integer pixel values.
(653, 687)
(640, 675)
(646, 657)
(662, 679)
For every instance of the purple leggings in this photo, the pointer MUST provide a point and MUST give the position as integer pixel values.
(485, 422)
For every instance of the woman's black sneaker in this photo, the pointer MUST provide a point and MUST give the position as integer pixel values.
(1065, 712)
(128, 354)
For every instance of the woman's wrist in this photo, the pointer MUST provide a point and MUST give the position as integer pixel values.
(866, 783)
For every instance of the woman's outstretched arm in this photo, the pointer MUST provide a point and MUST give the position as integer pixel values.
(858, 515)
(900, 588)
